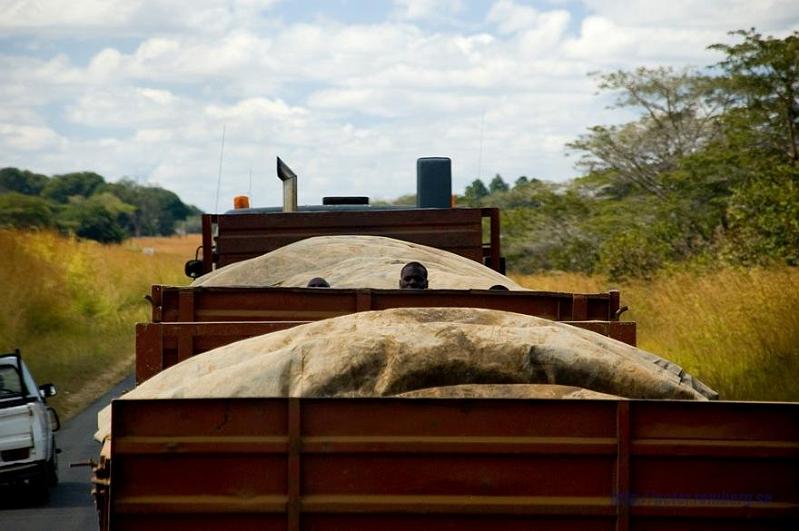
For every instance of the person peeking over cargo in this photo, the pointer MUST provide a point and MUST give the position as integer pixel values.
(499, 287)
(317, 282)
(413, 276)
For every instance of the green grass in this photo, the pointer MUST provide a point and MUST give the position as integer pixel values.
(71, 306)
(737, 330)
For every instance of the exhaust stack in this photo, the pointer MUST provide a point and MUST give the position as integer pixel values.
(433, 182)
(289, 179)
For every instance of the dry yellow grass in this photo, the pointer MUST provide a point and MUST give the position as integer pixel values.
(183, 246)
(560, 281)
(71, 306)
(737, 330)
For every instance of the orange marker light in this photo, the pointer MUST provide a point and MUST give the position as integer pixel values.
(241, 201)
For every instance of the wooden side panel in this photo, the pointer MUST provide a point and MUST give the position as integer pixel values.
(323, 464)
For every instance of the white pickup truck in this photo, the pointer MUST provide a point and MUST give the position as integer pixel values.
(27, 443)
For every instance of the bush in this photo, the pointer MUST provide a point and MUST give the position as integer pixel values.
(632, 253)
(25, 211)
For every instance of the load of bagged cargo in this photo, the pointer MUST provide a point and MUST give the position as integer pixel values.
(354, 262)
(444, 352)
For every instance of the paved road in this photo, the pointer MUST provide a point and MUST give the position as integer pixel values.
(71, 507)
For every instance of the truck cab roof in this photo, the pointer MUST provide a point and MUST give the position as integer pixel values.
(16, 382)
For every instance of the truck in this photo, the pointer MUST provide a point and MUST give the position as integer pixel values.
(28, 453)
(290, 463)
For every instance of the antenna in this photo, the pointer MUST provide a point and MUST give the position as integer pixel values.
(480, 152)
(219, 179)
(249, 190)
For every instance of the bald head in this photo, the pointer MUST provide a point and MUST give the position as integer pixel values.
(413, 276)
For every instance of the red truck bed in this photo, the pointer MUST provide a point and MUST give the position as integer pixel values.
(236, 237)
(391, 464)
(184, 304)
(162, 345)
(188, 321)
(423, 464)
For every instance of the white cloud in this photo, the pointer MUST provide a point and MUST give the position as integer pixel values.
(426, 9)
(27, 138)
(349, 106)
(43, 13)
(126, 107)
(511, 17)
(723, 15)
(255, 110)
(129, 17)
(601, 40)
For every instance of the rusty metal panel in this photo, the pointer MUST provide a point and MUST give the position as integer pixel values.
(242, 236)
(150, 357)
(158, 344)
(208, 220)
(453, 464)
(738, 461)
(540, 304)
(208, 461)
(304, 304)
(493, 252)
(624, 331)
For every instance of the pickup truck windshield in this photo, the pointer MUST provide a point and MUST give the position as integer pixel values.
(10, 382)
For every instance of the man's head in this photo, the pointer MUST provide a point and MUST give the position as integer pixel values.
(318, 282)
(499, 287)
(413, 276)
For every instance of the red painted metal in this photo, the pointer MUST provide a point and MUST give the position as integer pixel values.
(242, 236)
(386, 463)
(208, 221)
(304, 304)
(492, 251)
(622, 491)
(390, 464)
(162, 345)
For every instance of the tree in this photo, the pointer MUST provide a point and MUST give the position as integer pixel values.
(475, 192)
(61, 187)
(95, 218)
(521, 181)
(21, 181)
(95, 222)
(680, 116)
(156, 210)
(544, 227)
(25, 211)
(761, 76)
(764, 222)
(497, 184)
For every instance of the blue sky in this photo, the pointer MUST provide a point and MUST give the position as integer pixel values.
(348, 92)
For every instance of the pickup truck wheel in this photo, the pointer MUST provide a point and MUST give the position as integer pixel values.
(40, 486)
(52, 472)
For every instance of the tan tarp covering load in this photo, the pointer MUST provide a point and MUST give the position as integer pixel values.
(354, 262)
(391, 352)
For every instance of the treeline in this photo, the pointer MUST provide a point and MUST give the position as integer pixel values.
(708, 173)
(85, 205)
